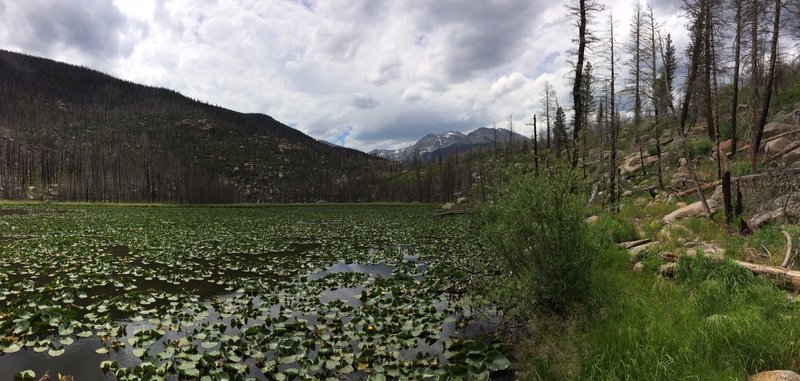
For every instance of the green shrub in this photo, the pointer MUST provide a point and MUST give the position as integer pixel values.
(700, 146)
(538, 233)
(615, 229)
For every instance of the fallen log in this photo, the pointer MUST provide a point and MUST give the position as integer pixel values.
(789, 279)
(451, 212)
(631, 244)
(702, 188)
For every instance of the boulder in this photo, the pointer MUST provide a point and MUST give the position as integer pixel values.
(776, 375)
(632, 163)
(777, 128)
(447, 206)
(776, 146)
(692, 210)
(592, 219)
(668, 232)
(667, 269)
(791, 157)
(461, 200)
(638, 267)
(790, 118)
(785, 206)
(637, 253)
(726, 145)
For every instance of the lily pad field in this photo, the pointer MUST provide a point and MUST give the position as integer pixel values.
(276, 292)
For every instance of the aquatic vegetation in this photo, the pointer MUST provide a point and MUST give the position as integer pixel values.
(236, 293)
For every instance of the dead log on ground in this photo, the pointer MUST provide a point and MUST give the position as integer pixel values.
(789, 279)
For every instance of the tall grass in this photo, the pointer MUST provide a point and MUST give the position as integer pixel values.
(716, 322)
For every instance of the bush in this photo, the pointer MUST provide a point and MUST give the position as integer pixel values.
(615, 229)
(701, 146)
(537, 231)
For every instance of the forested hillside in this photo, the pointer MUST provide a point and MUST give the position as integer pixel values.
(71, 133)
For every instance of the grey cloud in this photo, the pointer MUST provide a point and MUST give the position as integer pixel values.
(364, 101)
(93, 27)
(412, 124)
(481, 35)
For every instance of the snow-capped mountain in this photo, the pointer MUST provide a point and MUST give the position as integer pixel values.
(432, 146)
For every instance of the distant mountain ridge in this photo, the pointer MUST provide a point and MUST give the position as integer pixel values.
(432, 146)
(75, 134)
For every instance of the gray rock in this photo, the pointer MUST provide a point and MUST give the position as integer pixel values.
(776, 146)
(777, 128)
(638, 267)
(792, 157)
(776, 375)
(447, 206)
(667, 269)
(692, 210)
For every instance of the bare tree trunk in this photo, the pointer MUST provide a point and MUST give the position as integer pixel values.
(576, 86)
(735, 84)
(613, 126)
(697, 42)
(762, 120)
(656, 106)
(754, 74)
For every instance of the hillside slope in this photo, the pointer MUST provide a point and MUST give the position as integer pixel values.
(71, 133)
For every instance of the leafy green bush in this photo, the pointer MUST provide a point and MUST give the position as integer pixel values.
(538, 233)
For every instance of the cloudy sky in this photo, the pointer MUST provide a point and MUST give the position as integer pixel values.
(362, 73)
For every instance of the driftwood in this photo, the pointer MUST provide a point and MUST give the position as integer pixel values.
(631, 244)
(452, 212)
(788, 256)
(789, 279)
(702, 188)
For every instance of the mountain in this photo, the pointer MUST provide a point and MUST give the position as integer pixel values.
(431, 146)
(72, 133)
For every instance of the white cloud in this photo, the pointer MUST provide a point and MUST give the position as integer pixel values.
(370, 74)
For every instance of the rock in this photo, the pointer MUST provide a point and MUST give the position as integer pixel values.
(633, 163)
(726, 145)
(692, 210)
(637, 253)
(777, 128)
(667, 269)
(627, 193)
(717, 195)
(792, 157)
(785, 206)
(682, 162)
(592, 219)
(776, 375)
(640, 202)
(776, 146)
(790, 118)
(709, 249)
(461, 200)
(638, 267)
(668, 231)
(447, 206)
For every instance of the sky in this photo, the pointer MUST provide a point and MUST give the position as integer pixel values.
(365, 74)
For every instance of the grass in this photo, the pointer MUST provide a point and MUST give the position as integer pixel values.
(716, 323)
